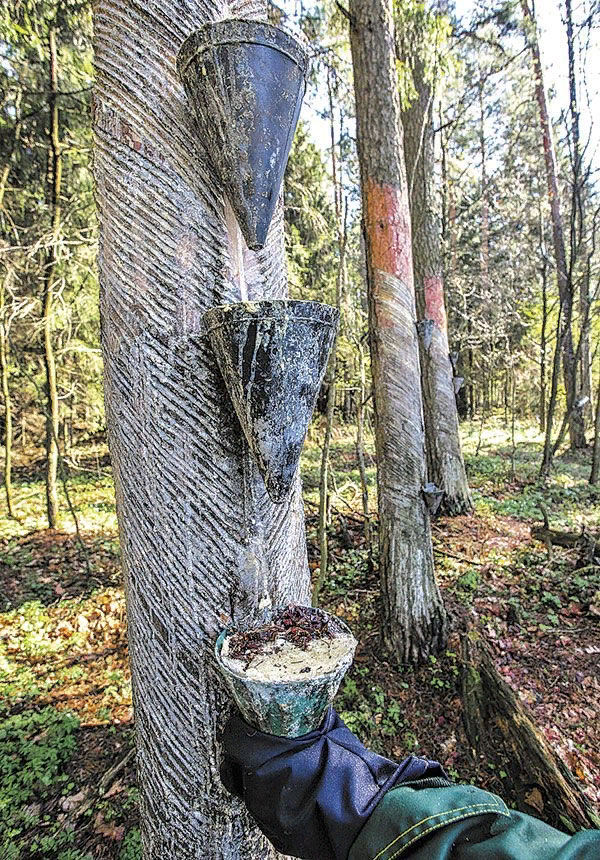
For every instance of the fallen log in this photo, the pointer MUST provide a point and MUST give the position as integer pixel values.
(564, 539)
(553, 537)
(494, 716)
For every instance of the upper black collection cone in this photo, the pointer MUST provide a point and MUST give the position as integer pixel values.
(246, 80)
(273, 355)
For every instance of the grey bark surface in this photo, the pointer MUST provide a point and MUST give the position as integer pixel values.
(189, 501)
(445, 464)
(413, 617)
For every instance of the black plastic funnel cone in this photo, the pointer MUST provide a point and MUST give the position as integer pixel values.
(246, 80)
(272, 355)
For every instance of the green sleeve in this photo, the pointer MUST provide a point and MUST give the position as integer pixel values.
(462, 822)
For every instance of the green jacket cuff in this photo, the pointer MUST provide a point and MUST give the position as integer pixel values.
(463, 823)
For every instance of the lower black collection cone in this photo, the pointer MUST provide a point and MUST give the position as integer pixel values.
(246, 80)
(272, 355)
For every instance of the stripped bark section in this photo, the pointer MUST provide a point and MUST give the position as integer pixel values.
(435, 308)
(388, 229)
(177, 448)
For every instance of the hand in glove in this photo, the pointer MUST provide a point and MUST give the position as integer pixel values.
(311, 795)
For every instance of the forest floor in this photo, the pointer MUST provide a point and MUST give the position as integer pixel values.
(67, 777)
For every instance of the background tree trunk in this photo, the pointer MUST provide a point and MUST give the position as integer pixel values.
(543, 331)
(445, 465)
(595, 472)
(331, 376)
(578, 243)
(6, 401)
(565, 286)
(49, 269)
(187, 493)
(413, 622)
(360, 447)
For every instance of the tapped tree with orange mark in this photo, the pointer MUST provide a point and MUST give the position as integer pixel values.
(414, 620)
(419, 50)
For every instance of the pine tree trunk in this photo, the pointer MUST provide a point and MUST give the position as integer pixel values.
(332, 366)
(445, 465)
(7, 403)
(578, 225)
(565, 286)
(360, 447)
(413, 622)
(595, 472)
(190, 504)
(47, 301)
(324, 479)
(543, 336)
(6, 398)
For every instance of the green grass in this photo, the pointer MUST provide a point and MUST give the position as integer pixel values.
(344, 474)
(569, 498)
(92, 497)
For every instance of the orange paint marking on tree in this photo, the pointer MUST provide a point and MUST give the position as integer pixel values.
(433, 286)
(387, 223)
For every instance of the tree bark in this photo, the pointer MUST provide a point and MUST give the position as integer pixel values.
(595, 471)
(4, 369)
(445, 465)
(6, 399)
(578, 226)
(360, 447)
(565, 287)
(48, 291)
(190, 503)
(543, 333)
(413, 617)
(332, 366)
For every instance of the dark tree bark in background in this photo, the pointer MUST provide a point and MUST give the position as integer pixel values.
(544, 328)
(4, 345)
(6, 401)
(565, 344)
(55, 160)
(595, 472)
(413, 617)
(484, 253)
(331, 376)
(190, 502)
(578, 238)
(445, 465)
(360, 446)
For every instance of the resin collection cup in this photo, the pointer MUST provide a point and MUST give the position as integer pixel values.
(246, 80)
(273, 355)
(287, 708)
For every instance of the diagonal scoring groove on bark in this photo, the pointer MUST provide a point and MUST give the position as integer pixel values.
(176, 445)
